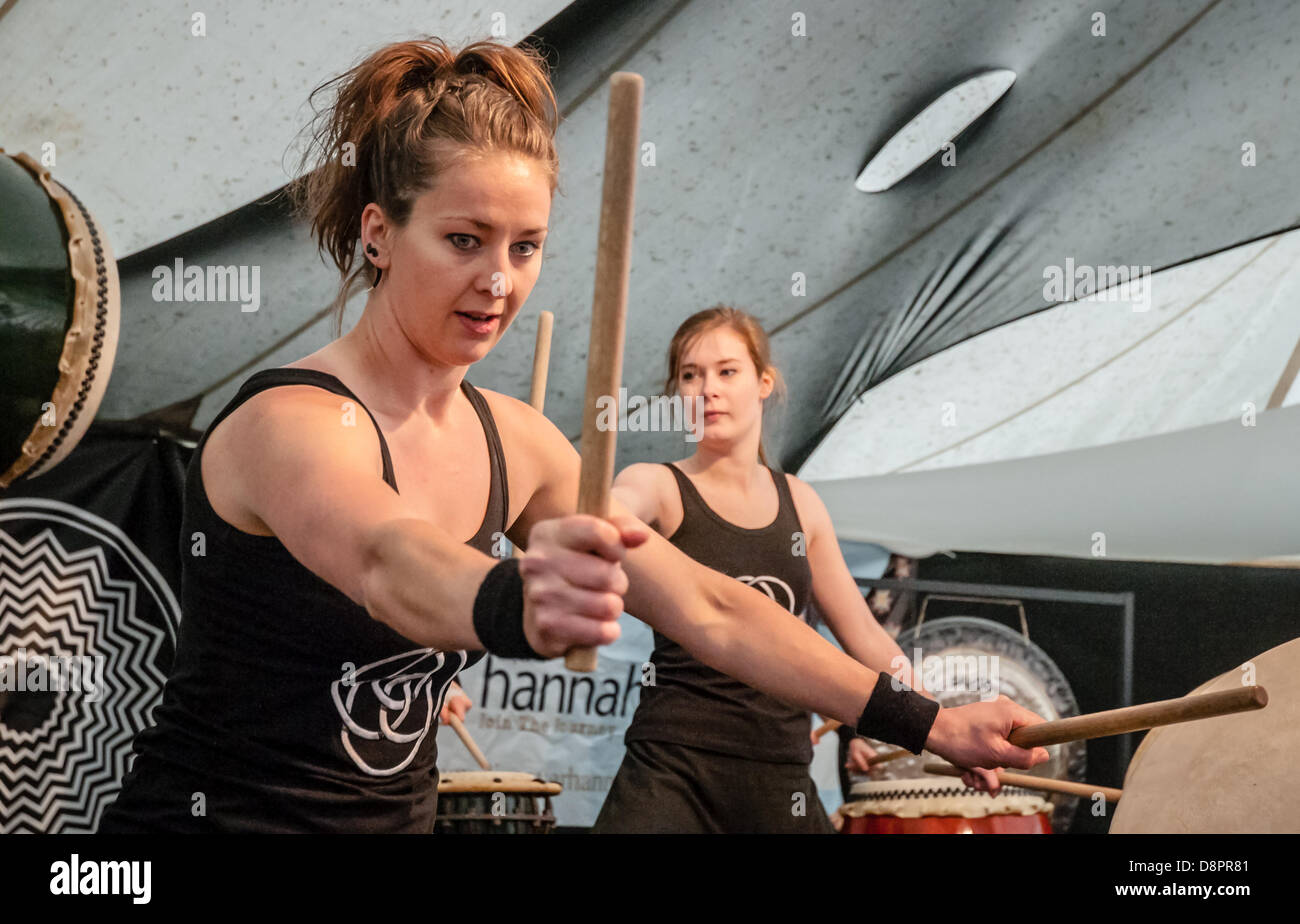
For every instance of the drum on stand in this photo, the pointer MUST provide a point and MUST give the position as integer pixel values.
(943, 805)
(981, 658)
(1233, 774)
(495, 802)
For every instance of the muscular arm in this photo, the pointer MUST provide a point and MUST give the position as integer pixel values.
(736, 629)
(838, 597)
(724, 623)
(309, 473)
(743, 633)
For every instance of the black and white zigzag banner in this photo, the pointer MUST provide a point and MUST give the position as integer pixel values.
(74, 584)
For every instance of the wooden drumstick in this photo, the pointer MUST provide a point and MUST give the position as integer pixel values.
(1028, 781)
(886, 758)
(1121, 721)
(1139, 718)
(608, 307)
(473, 748)
(833, 724)
(541, 364)
(541, 360)
(825, 728)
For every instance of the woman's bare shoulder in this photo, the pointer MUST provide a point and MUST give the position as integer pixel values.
(807, 504)
(287, 409)
(243, 451)
(647, 489)
(645, 474)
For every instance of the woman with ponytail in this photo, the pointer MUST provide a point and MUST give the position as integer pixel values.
(354, 503)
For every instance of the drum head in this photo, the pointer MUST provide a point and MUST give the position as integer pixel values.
(1024, 673)
(496, 781)
(1233, 774)
(59, 312)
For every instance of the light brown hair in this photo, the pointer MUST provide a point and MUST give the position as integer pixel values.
(749, 330)
(397, 120)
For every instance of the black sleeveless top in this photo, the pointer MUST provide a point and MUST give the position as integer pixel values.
(693, 704)
(288, 707)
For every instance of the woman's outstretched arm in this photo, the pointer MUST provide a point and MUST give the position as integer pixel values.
(838, 597)
(743, 633)
(285, 459)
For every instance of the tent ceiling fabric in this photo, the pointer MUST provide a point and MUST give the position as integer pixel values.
(1123, 149)
(160, 129)
(1151, 176)
(1210, 347)
(1206, 495)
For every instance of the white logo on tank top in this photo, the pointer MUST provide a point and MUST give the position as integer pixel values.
(388, 706)
(774, 587)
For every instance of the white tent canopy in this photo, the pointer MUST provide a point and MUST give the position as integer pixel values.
(162, 121)
(1216, 337)
(1220, 493)
(1069, 393)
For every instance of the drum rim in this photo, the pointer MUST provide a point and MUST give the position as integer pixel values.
(903, 799)
(507, 781)
(90, 341)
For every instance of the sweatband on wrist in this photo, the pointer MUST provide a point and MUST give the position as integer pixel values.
(897, 716)
(499, 612)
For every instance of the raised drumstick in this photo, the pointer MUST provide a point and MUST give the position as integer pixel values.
(541, 360)
(824, 729)
(1028, 781)
(541, 365)
(469, 742)
(608, 306)
(1139, 718)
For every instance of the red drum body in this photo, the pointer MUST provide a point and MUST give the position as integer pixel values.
(936, 824)
(942, 806)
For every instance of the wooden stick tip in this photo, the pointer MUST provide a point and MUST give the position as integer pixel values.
(582, 660)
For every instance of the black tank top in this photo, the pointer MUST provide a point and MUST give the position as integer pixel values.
(693, 704)
(289, 708)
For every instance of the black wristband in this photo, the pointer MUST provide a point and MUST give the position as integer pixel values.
(897, 716)
(499, 612)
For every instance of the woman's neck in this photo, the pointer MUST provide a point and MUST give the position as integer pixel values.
(406, 382)
(726, 464)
